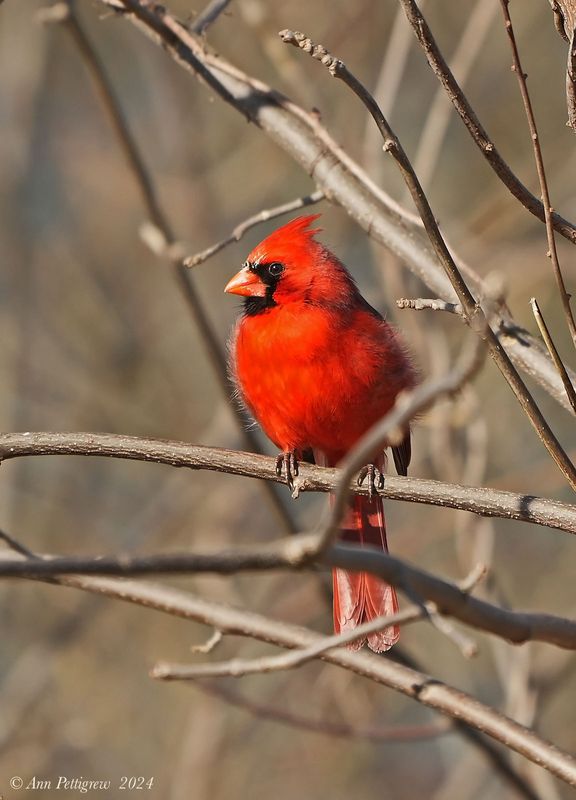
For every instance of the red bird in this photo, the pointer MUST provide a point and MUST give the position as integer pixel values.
(317, 366)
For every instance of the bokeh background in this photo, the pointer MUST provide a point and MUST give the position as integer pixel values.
(95, 336)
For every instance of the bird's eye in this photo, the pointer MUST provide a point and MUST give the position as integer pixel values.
(275, 269)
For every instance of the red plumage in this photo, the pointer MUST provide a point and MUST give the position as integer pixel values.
(318, 366)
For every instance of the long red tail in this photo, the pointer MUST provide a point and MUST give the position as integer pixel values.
(359, 597)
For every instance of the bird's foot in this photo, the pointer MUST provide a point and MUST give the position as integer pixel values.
(375, 479)
(287, 467)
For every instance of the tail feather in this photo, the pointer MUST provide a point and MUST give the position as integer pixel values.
(358, 596)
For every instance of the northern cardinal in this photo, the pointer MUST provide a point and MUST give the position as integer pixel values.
(317, 366)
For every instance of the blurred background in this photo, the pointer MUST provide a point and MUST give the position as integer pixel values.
(95, 335)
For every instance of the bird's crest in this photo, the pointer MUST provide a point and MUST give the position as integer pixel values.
(295, 236)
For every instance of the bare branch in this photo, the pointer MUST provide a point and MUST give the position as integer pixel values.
(420, 304)
(209, 645)
(412, 683)
(555, 355)
(479, 500)
(238, 667)
(262, 216)
(209, 16)
(471, 308)
(473, 124)
(552, 251)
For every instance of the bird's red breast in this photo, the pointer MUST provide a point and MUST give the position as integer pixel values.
(316, 365)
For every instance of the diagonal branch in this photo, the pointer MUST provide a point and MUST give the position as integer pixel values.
(471, 308)
(554, 354)
(475, 128)
(237, 667)
(552, 250)
(209, 16)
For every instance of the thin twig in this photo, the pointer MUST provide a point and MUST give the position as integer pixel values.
(238, 667)
(473, 124)
(476, 575)
(477, 499)
(209, 645)
(554, 354)
(256, 219)
(172, 249)
(552, 251)
(421, 303)
(17, 546)
(208, 16)
(392, 734)
(472, 310)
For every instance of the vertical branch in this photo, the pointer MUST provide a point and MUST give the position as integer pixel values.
(475, 128)
(554, 354)
(548, 210)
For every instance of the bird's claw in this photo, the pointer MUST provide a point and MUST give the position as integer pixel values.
(375, 479)
(287, 467)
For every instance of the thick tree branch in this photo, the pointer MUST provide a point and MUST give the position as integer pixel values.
(417, 685)
(303, 137)
(479, 500)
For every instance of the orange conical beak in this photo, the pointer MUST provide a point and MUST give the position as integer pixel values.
(246, 283)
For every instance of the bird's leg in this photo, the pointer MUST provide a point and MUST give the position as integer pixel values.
(287, 466)
(375, 479)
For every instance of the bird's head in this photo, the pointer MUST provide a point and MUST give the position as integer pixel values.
(288, 266)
